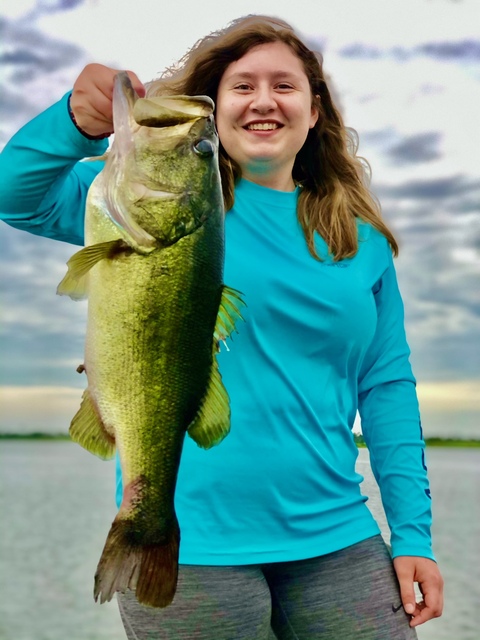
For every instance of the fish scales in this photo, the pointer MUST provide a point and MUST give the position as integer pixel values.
(152, 372)
(134, 342)
(153, 270)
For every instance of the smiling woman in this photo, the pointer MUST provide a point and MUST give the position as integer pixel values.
(275, 531)
(333, 179)
(265, 110)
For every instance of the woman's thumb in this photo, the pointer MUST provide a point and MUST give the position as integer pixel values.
(405, 575)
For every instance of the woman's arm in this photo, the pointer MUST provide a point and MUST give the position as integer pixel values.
(392, 429)
(389, 412)
(44, 186)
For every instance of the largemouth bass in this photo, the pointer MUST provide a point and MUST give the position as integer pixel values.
(153, 273)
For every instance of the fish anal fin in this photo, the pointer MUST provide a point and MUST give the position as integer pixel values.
(74, 284)
(151, 570)
(88, 430)
(212, 422)
(228, 313)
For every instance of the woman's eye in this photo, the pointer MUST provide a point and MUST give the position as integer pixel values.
(242, 87)
(203, 147)
(284, 87)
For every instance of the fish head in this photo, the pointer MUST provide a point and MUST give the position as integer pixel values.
(162, 178)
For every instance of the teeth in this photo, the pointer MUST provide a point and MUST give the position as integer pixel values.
(263, 126)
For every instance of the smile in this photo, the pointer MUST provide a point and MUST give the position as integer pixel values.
(263, 126)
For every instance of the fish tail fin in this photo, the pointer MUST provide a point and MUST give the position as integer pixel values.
(151, 570)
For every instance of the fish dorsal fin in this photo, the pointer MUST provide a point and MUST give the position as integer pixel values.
(74, 284)
(228, 313)
(88, 430)
(212, 422)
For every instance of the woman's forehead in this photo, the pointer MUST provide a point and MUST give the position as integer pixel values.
(275, 57)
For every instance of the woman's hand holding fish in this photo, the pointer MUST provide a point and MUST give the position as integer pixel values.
(91, 100)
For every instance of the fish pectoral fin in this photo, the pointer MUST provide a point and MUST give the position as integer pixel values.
(88, 430)
(212, 422)
(228, 313)
(74, 284)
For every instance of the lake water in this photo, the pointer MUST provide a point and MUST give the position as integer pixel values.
(56, 506)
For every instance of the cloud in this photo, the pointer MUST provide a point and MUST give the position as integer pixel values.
(464, 50)
(433, 189)
(59, 5)
(450, 409)
(455, 51)
(36, 71)
(422, 147)
(50, 409)
(40, 332)
(441, 295)
(437, 223)
(43, 7)
(360, 50)
(38, 408)
(431, 200)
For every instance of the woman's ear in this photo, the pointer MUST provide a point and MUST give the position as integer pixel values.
(315, 112)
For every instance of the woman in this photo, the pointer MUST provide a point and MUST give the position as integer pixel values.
(275, 531)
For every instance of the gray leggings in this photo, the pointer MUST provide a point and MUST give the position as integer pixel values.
(351, 594)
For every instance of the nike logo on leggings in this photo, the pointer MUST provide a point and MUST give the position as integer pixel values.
(395, 609)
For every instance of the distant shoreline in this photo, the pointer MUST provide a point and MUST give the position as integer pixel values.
(434, 442)
(34, 436)
(430, 442)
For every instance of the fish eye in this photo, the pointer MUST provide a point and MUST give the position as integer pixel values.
(203, 147)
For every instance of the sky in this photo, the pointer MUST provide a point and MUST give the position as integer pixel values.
(406, 76)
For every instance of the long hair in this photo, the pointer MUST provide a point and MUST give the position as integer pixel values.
(334, 180)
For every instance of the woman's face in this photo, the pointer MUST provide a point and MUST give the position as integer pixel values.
(264, 112)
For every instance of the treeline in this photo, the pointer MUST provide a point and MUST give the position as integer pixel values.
(431, 442)
(35, 435)
(358, 437)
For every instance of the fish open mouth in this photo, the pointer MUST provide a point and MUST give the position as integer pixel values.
(165, 193)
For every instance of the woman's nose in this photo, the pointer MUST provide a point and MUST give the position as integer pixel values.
(263, 100)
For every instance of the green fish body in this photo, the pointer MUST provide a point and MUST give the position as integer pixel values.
(153, 273)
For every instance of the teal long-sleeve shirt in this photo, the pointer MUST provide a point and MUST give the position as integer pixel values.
(320, 341)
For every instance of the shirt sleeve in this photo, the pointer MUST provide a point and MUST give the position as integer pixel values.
(44, 185)
(391, 426)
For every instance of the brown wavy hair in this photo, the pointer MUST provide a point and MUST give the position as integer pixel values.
(333, 178)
